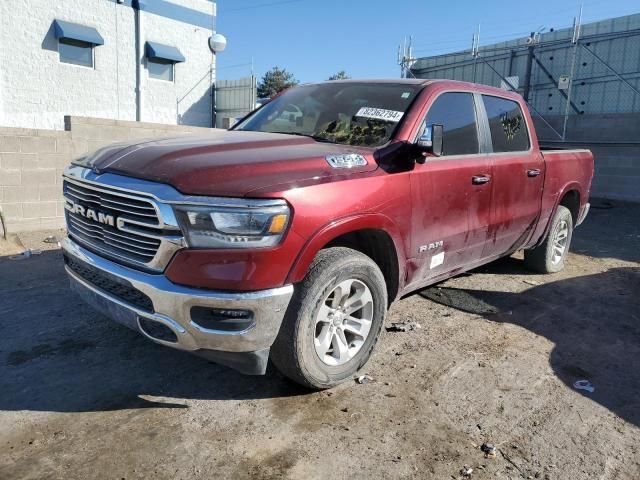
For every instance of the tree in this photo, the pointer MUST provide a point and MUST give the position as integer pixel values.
(341, 75)
(274, 81)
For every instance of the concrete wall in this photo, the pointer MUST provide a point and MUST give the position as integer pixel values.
(37, 90)
(32, 161)
(603, 127)
(617, 171)
(188, 99)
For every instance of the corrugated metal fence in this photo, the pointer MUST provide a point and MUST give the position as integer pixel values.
(234, 99)
(605, 63)
(584, 93)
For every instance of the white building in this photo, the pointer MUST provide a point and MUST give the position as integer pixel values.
(144, 60)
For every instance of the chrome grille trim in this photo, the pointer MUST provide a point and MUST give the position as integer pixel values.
(110, 237)
(96, 243)
(74, 191)
(144, 233)
(113, 237)
(139, 225)
(85, 193)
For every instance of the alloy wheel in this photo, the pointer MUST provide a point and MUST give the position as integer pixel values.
(343, 322)
(559, 243)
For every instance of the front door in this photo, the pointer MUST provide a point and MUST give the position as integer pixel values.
(518, 176)
(451, 194)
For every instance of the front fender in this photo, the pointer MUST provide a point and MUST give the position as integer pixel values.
(337, 228)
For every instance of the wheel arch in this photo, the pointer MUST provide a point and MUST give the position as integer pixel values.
(570, 196)
(374, 235)
(571, 200)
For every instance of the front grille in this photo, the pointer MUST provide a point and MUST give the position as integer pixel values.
(139, 242)
(115, 286)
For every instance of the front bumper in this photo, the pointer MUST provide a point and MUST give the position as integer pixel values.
(171, 308)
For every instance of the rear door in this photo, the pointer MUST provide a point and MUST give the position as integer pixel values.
(518, 176)
(452, 193)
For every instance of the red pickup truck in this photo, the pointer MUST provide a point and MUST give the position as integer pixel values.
(287, 237)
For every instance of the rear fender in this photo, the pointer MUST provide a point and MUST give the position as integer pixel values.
(541, 234)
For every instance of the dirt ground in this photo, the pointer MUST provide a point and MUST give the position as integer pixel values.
(495, 360)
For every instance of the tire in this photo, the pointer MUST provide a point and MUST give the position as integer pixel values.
(546, 257)
(311, 319)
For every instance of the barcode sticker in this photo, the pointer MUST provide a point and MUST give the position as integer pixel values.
(380, 114)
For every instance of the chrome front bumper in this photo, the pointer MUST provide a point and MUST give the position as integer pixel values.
(172, 308)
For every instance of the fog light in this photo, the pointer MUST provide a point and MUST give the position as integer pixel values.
(226, 320)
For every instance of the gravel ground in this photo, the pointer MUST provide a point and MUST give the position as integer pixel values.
(495, 360)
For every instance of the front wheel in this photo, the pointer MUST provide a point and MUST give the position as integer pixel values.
(549, 256)
(333, 321)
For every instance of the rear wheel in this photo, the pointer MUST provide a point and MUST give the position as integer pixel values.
(333, 321)
(549, 256)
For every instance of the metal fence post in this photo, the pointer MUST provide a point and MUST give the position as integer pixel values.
(574, 40)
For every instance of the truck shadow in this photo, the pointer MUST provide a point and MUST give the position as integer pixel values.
(620, 222)
(57, 354)
(594, 322)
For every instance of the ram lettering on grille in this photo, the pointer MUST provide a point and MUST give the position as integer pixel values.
(119, 224)
(90, 213)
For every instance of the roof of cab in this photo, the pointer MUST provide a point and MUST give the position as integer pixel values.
(479, 87)
(443, 82)
(390, 81)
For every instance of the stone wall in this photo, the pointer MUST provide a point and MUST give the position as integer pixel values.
(32, 161)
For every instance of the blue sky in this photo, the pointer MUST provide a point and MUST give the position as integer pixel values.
(314, 39)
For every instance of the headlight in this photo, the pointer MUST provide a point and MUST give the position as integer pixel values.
(233, 227)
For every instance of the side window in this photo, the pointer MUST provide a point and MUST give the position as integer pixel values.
(506, 123)
(457, 114)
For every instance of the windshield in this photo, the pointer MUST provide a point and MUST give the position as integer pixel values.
(362, 114)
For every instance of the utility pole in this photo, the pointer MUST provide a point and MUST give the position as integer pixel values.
(527, 74)
(405, 58)
(402, 51)
(475, 45)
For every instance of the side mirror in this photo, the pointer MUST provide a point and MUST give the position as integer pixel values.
(430, 141)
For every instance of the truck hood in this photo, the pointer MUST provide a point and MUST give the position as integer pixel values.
(230, 163)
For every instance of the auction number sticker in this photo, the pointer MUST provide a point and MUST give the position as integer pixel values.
(380, 114)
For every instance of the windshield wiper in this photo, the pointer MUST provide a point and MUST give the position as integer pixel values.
(317, 138)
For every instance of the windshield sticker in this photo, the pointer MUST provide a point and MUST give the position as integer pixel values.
(380, 114)
(406, 95)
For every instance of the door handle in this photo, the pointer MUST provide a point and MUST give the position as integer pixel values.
(533, 172)
(480, 179)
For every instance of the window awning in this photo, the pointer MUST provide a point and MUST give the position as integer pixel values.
(78, 32)
(158, 51)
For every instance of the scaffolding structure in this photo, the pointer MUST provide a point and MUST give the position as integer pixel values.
(584, 71)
